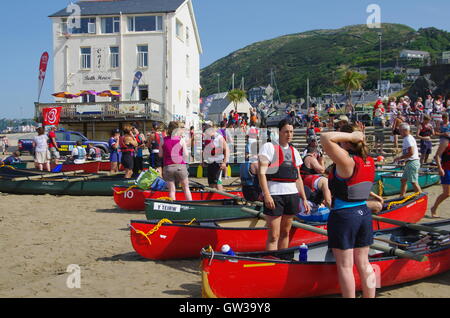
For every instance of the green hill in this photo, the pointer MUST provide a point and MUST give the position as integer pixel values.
(319, 54)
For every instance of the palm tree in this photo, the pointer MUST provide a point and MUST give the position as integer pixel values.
(236, 96)
(351, 81)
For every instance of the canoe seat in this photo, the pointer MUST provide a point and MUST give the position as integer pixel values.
(208, 224)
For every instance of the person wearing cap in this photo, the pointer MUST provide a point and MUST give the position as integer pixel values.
(115, 155)
(340, 122)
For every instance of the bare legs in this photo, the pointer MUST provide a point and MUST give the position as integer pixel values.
(441, 198)
(279, 229)
(344, 261)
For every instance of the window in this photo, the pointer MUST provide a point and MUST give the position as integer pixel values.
(142, 51)
(111, 25)
(114, 56)
(116, 89)
(179, 30)
(188, 66)
(187, 36)
(88, 99)
(85, 58)
(64, 26)
(145, 23)
(87, 26)
(75, 137)
(143, 92)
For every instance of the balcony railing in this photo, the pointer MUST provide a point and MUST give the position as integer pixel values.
(118, 110)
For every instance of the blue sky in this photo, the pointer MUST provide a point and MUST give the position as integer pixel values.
(224, 26)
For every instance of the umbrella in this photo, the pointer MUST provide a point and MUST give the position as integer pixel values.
(87, 92)
(65, 95)
(109, 93)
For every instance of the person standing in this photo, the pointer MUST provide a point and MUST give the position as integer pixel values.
(410, 153)
(216, 154)
(399, 119)
(175, 156)
(153, 142)
(41, 151)
(5, 145)
(138, 164)
(424, 133)
(442, 159)
(281, 185)
(127, 147)
(350, 231)
(53, 145)
(115, 155)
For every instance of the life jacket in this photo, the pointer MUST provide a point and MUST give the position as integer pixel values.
(98, 153)
(124, 147)
(446, 159)
(281, 170)
(247, 178)
(305, 171)
(312, 194)
(209, 144)
(425, 131)
(358, 187)
(81, 153)
(253, 133)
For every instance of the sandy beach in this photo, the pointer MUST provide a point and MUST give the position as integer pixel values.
(40, 236)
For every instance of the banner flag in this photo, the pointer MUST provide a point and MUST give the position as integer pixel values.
(137, 78)
(51, 116)
(42, 71)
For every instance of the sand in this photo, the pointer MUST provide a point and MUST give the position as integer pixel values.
(40, 236)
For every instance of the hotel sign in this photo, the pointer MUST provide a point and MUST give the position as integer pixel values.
(97, 78)
(99, 67)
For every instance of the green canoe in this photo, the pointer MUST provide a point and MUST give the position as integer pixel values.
(188, 210)
(392, 183)
(101, 186)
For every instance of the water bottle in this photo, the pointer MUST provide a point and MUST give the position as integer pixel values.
(303, 256)
(226, 249)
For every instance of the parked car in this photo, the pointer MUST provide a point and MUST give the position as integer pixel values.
(66, 140)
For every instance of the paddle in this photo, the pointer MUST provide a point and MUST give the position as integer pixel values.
(48, 175)
(388, 250)
(85, 178)
(412, 226)
(236, 197)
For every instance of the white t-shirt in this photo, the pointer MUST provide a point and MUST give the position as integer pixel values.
(41, 143)
(280, 188)
(408, 142)
(75, 153)
(219, 157)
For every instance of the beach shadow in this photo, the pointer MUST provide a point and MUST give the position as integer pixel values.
(188, 291)
(125, 257)
(118, 211)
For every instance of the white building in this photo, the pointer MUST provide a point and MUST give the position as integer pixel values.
(113, 40)
(411, 54)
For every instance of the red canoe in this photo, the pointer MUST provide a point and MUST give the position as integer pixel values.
(87, 167)
(133, 199)
(106, 166)
(178, 240)
(284, 276)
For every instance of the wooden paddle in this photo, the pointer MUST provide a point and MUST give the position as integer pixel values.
(412, 226)
(48, 175)
(388, 250)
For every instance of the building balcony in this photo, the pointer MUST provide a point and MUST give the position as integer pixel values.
(106, 111)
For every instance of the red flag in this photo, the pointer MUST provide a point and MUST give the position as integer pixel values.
(42, 71)
(51, 116)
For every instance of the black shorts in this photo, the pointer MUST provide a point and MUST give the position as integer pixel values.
(127, 160)
(350, 228)
(155, 160)
(288, 204)
(213, 173)
(138, 164)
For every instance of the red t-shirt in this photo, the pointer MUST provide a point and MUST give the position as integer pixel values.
(51, 135)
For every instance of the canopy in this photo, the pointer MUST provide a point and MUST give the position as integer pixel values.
(65, 95)
(108, 93)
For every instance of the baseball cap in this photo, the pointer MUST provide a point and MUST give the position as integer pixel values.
(341, 118)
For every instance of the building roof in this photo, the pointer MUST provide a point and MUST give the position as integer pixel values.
(218, 106)
(415, 52)
(109, 7)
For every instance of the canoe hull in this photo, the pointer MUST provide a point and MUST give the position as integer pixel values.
(242, 278)
(133, 199)
(392, 184)
(177, 240)
(88, 167)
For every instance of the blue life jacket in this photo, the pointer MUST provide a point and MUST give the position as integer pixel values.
(81, 154)
(247, 178)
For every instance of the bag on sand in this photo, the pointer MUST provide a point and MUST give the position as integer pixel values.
(150, 180)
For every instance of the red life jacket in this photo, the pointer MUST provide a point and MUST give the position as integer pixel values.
(281, 170)
(446, 159)
(124, 147)
(358, 186)
(209, 144)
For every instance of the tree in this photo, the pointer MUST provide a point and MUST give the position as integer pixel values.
(351, 81)
(236, 96)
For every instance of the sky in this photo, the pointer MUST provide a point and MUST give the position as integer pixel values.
(224, 26)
